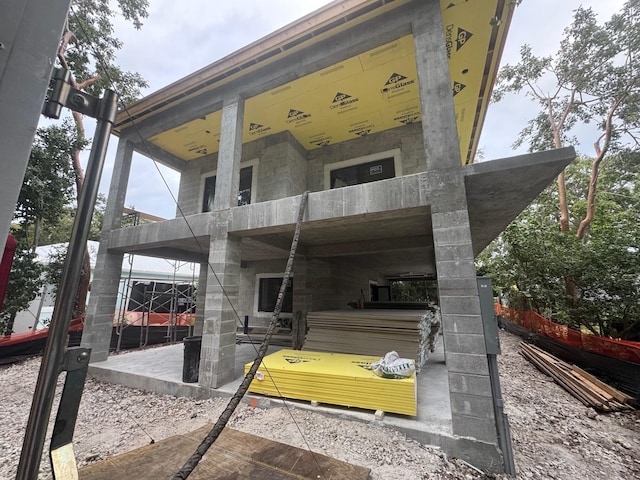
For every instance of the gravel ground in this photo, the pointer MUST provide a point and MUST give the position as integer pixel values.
(554, 435)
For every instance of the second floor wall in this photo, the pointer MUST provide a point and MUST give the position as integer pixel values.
(278, 167)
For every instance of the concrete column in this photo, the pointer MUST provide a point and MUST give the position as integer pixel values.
(465, 353)
(118, 187)
(108, 270)
(30, 32)
(220, 321)
(229, 155)
(201, 299)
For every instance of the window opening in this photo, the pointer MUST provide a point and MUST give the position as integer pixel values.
(268, 294)
(244, 192)
(363, 173)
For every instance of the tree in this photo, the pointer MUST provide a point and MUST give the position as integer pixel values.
(60, 231)
(24, 284)
(47, 187)
(594, 78)
(533, 257)
(88, 49)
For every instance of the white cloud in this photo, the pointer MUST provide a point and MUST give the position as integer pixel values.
(540, 24)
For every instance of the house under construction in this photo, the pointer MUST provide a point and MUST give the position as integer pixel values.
(375, 107)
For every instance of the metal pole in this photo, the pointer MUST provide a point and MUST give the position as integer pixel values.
(502, 421)
(55, 348)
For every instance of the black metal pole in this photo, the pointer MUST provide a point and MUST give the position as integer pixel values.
(55, 348)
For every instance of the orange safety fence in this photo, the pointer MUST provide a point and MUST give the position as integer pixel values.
(536, 323)
(151, 318)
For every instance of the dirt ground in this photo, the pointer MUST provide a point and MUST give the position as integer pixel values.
(554, 435)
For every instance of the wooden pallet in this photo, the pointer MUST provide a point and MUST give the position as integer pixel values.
(591, 391)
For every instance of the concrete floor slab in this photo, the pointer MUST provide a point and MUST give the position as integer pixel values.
(159, 370)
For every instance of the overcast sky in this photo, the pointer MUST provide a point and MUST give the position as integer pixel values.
(181, 37)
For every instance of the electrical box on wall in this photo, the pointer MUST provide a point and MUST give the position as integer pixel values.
(489, 321)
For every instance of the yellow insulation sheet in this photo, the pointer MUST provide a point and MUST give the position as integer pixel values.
(333, 378)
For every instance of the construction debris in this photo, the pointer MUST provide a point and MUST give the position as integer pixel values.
(585, 387)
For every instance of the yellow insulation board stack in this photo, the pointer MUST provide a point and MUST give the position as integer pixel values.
(333, 378)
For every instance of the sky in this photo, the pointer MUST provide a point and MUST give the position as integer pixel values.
(179, 38)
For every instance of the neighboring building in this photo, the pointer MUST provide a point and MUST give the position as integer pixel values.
(136, 269)
(385, 99)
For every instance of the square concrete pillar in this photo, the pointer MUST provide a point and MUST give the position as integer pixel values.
(102, 304)
(108, 270)
(229, 155)
(217, 358)
(469, 384)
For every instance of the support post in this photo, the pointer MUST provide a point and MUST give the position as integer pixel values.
(55, 349)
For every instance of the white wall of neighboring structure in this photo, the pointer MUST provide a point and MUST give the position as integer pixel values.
(136, 267)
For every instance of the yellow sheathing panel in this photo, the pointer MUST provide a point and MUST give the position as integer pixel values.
(194, 139)
(368, 93)
(333, 378)
(468, 27)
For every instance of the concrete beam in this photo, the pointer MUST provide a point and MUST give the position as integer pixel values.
(371, 246)
(153, 152)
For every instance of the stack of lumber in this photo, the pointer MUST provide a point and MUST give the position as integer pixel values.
(333, 378)
(582, 385)
(411, 333)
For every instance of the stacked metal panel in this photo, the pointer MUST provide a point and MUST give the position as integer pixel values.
(333, 378)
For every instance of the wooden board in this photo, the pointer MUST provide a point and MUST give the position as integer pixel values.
(235, 455)
(372, 332)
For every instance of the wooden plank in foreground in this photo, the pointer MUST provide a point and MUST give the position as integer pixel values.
(234, 455)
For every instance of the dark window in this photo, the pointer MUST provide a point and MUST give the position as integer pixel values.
(363, 173)
(244, 193)
(268, 295)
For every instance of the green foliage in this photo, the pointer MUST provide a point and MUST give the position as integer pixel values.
(416, 290)
(592, 78)
(47, 187)
(533, 258)
(24, 283)
(60, 231)
(92, 51)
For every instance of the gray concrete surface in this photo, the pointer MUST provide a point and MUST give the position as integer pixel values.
(159, 370)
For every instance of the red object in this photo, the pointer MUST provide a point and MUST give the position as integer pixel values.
(5, 266)
(76, 325)
(609, 347)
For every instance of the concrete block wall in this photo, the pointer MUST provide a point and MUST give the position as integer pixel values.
(282, 168)
(330, 285)
(469, 384)
(190, 189)
(247, 295)
(104, 296)
(286, 169)
(219, 326)
(407, 138)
